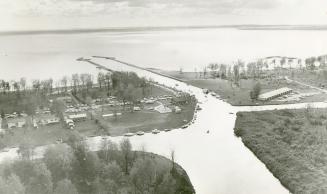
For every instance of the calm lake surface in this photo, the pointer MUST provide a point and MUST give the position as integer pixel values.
(54, 55)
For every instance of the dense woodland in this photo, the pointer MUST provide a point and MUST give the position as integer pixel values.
(291, 143)
(72, 168)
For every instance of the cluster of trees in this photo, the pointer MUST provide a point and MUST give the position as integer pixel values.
(255, 92)
(236, 71)
(126, 86)
(310, 62)
(73, 169)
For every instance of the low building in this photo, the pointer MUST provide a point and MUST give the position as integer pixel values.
(273, 62)
(178, 109)
(180, 99)
(46, 119)
(136, 108)
(162, 109)
(111, 115)
(16, 123)
(274, 94)
(78, 117)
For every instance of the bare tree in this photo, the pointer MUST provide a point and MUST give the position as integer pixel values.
(64, 82)
(22, 83)
(126, 149)
(172, 158)
(75, 82)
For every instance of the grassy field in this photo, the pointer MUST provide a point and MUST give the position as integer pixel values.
(291, 143)
(314, 78)
(241, 95)
(145, 120)
(148, 120)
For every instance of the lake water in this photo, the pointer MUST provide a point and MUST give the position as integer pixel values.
(54, 55)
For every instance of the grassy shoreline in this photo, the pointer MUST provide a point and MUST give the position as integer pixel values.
(290, 143)
(240, 95)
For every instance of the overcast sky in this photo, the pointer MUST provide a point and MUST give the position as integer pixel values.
(63, 14)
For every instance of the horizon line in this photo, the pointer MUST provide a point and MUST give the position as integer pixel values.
(154, 28)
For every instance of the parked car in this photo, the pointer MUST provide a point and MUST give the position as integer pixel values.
(129, 134)
(140, 133)
(166, 130)
(155, 131)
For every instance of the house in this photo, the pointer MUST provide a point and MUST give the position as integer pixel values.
(18, 122)
(45, 119)
(162, 109)
(273, 62)
(111, 115)
(178, 109)
(78, 117)
(136, 108)
(149, 101)
(70, 123)
(274, 94)
(180, 99)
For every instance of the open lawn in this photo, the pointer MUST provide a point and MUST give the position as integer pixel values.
(144, 120)
(41, 136)
(314, 78)
(291, 143)
(241, 95)
(147, 120)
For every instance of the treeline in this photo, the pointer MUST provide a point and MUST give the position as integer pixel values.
(126, 86)
(74, 169)
(237, 70)
(310, 62)
(18, 96)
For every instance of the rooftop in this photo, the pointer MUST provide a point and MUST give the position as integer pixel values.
(274, 93)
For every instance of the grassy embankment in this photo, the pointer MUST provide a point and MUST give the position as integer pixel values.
(291, 143)
(241, 95)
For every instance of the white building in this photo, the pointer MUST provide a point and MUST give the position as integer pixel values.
(78, 117)
(16, 123)
(274, 94)
(270, 63)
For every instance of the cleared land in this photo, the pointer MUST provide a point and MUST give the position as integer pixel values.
(291, 143)
(240, 95)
